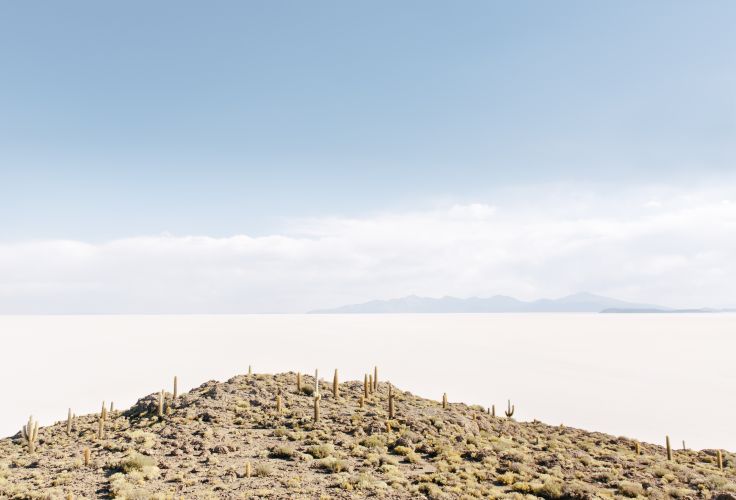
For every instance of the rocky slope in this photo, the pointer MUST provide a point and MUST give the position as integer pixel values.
(227, 440)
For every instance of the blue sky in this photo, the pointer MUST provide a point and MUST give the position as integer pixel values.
(220, 118)
(294, 123)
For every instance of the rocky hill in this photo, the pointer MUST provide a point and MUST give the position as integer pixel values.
(255, 436)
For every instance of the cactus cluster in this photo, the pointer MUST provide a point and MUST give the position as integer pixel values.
(29, 432)
(102, 420)
(510, 411)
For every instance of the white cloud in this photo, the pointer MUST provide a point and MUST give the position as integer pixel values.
(533, 242)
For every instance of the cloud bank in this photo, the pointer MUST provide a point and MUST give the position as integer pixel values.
(659, 245)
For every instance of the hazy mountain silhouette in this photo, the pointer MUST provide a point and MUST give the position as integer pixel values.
(579, 302)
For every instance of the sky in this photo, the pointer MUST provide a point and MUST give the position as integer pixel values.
(284, 156)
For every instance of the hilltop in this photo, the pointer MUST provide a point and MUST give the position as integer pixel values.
(229, 440)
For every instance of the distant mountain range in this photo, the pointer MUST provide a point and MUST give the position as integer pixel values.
(579, 302)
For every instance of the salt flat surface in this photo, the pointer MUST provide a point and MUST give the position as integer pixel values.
(641, 376)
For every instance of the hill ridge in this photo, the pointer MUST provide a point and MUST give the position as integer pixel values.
(577, 302)
(229, 440)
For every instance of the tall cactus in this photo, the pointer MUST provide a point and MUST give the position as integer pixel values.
(444, 400)
(390, 402)
(100, 428)
(86, 453)
(370, 383)
(69, 422)
(335, 386)
(375, 378)
(29, 432)
(176, 387)
(103, 411)
(365, 386)
(278, 402)
(510, 411)
(493, 411)
(161, 403)
(316, 407)
(669, 449)
(720, 459)
(299, 382)
(316, 382)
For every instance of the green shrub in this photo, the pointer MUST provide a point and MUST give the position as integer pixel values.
(402, 450)
(507, 478)
(283, 452)
(432, 491)
(136, 462)
(679, 493)
(373, 441)
(144, 440)
(630, 489)
(331, 464)
(551, 488)
(263, 470)
(321, 450)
